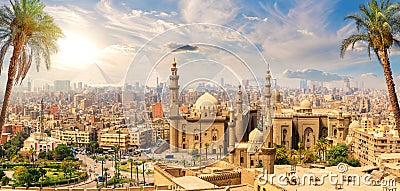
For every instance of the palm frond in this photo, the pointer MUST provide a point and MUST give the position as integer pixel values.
(3, 52)
(351, 41)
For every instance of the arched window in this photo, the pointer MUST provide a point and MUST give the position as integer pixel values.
(284, 136)
(196, 137)
(335, 133)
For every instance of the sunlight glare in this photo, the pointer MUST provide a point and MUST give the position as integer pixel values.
(76, 50)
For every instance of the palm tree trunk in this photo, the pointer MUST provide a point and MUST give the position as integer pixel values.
(131, 172)
(137, 174)
(12, 70)
(144, 180)
(384, 58)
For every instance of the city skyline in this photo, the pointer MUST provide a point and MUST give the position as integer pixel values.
(299, 39)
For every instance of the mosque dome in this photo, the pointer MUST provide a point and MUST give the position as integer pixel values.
(354, 125)
(256, 136)
(305, 104)
(206, 100)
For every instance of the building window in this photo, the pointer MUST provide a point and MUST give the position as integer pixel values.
(214, 138)
(196, 137)
(241, 160)
(251, 163)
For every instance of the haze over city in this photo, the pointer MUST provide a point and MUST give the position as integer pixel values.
(299, 39)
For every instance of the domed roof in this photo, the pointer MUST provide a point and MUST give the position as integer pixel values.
(277, 95)
(354, 125)
(206, 99)
(305, 104)
(256, 136)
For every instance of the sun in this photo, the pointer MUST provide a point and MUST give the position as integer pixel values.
(76, 50)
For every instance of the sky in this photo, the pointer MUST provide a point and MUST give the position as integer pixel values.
(117, 42)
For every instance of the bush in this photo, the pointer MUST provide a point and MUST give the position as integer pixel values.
(354, 162)
(336, 161)
(5, 180)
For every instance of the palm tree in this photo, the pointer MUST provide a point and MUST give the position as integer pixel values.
(102, 159)
(115, 149)
(378, 26)
(318, 148)
(130, 160)
(137, 163)
(300, 145)
(324, 145)
(32, 152)
(33, 36)
(105, 175)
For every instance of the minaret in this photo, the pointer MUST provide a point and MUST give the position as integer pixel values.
(174, 107)
(231, 125)
(239, 130)
(267, 150)
(232, 138)
(267, 109)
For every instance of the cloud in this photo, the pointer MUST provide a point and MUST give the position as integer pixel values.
(369, 75)
(313, 74)
(254, 18)
(135, 13)
(305, 32)
(182, 47)
(118, 48)
(208, 11)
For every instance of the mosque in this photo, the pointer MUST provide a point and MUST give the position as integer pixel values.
(243, 133)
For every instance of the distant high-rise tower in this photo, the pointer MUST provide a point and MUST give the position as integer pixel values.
(62, 85)
(303, 84)
(174, 107)
(80, 86)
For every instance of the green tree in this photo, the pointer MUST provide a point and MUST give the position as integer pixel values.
(62, 151)
(33, 36)
(48, 133)
(5, 180)
(378, 26)
(281, 156)
(2, 174)
(353, 162)
(93, 146)
(11, 152)
(339, 150)
(25, 176)
(336, 161)
(309, 156)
